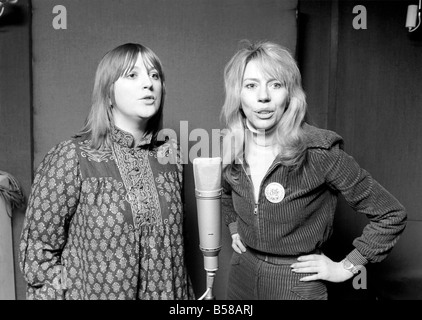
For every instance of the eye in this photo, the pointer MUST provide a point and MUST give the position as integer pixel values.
(131, 75)
(277, 85)
(155, 75)
(250, 85)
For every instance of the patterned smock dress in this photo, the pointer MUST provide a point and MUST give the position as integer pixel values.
(106, 224)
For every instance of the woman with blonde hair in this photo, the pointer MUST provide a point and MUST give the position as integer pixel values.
(282, 177)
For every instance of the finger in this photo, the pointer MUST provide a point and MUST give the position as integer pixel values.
(310, 278)
(306, 270)
(304, 264)
(241, 246)
(236, 248)
(309, 257)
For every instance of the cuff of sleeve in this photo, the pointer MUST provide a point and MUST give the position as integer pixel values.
(233, 227)
(356, 258)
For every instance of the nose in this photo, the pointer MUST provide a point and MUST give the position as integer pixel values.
(263, 94)
(146, 83)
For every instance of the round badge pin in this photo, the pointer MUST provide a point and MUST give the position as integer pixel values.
(274, 192)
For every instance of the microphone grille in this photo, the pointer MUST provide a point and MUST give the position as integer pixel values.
(207, 173)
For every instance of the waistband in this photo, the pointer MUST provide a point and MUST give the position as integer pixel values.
(274, 258)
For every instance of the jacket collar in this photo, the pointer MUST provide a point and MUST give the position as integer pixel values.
(126, 139)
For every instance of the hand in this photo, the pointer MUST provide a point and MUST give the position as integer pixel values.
(237, 244)
(322, 267)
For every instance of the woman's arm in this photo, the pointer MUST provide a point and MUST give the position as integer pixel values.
(387, 217)
(230, 218)
(53, 201)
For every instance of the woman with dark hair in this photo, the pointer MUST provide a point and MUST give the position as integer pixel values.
(105, 215)
(282, 180)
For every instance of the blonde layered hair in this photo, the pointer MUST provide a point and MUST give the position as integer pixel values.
(115, 64)
(276, 62)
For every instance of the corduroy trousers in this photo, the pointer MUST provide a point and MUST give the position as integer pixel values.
(256, 276)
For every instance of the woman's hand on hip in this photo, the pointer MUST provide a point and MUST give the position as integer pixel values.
(322, 267)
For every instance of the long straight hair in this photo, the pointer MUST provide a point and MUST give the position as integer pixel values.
(112, 66)
(275, 62)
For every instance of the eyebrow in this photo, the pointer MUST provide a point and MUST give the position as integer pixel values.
(251, 79)
(136, 68)
(257, 80)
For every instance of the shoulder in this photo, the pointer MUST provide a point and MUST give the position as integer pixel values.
(87, 152)
(62, 155)
(321, 138)
(65, 148)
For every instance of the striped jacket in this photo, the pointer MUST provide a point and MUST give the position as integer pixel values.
(303, 220)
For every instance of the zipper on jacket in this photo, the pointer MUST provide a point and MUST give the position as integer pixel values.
(271, 169)
(250, 181)
(256, 204)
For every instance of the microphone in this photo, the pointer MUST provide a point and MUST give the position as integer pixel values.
(207, 176)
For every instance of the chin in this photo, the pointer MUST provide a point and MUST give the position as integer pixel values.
(146, 117)
(149, 114)
(263, 126)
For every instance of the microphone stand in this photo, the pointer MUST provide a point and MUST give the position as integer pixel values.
(209, 295)
(211, 270)
(211, 267)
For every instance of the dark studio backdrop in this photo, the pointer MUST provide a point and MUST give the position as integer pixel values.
(363, 83)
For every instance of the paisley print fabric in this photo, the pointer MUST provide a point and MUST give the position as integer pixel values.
(106, 224)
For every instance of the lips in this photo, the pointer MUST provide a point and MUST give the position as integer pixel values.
(148, 100)
(264, 114)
